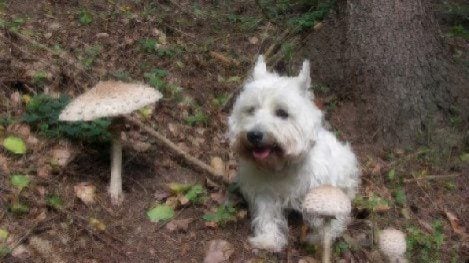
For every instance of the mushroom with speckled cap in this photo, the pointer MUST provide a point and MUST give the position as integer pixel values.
(393, 245)
(327, 202)
(111, 99)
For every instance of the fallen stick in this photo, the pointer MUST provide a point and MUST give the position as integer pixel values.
(218, 178)
(431, 177)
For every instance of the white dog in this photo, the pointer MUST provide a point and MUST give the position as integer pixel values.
(285, 151)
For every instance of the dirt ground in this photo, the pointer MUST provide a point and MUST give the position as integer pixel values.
(210, 48)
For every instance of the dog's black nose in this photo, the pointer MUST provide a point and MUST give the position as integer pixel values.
(255, 137)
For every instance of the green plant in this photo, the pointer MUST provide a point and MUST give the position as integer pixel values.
(39, 78)
(459, 31)
(152, 46)
(220, 100)
(300, 15)
(222, 215)
(425, 247)
(156, 79)
(372, 203)
(42, 113)
(13, 25)
(198, 117)
(85, 17)
(287, 50)
(90, 55)
(196, 194)
(121, 75)
(19, 182)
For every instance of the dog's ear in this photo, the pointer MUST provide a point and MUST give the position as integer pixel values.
(304, 76)
(260, 69)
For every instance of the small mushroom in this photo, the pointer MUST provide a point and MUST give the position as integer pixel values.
(327, 202)
(111, 99)
(393, 245)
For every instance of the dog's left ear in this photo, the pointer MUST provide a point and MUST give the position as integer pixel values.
(260, 69)
(304, 76)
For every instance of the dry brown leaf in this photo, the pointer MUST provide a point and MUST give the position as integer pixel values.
(224, 59)
(4, 164)
(172, 202)
(218, 251)
(44, 171)
(253, 40)
(61, 156)
(218, 197)
(86, 192)
(455, 223)
(97, 224)
(218, 165)
(179, 225)
(242, 214)
(211, 224)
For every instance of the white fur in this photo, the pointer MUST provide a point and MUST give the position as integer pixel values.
(312, 155)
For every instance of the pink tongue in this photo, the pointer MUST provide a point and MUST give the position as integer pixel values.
(261, 153)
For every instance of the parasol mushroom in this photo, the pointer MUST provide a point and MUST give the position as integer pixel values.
(111, 99)
(393, 245)
(327, 202)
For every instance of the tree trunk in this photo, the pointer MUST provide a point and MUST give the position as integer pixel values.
(394, 67)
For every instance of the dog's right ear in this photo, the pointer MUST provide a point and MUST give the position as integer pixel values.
(260, 69)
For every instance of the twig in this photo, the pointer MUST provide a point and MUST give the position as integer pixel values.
(431, 177)
(219, 178)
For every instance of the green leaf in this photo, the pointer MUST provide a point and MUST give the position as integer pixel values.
(464, 157)
(392, 174)
(19, 181)
(222, 215)
(3, 234)
(195, 193)
(54, 201)
(14, 144)
(178, 188)
(160, 212)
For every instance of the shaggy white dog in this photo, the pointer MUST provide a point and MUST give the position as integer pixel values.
(285, 151)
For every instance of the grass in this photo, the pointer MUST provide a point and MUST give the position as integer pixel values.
(197, 118)
(152, 46)
(157, 79)
(425, 247)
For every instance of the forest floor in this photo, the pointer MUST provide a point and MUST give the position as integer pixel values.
(198, 55)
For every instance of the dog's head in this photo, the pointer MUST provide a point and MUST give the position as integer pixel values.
(273, 121)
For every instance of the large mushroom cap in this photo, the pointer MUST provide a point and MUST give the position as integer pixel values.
(108, 99)
(327, 200)
(392, 242)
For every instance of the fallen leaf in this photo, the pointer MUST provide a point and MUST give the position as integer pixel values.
(15, 99)
(45, 249)
(97, 224)
(242, 214)
(458, 228)
(318, 26)
(61, 157)
(14, 144)
(218, 251)
(3, 234)
(21, 252)
(224, 59)
(44, 171)
(178, 188)
(19, 181)
(253, 40)
(183, 200)
(86, 192)
(179, 225)
(218, 165)
(211, 224)
(160, 213)
(172, 202)
(161, 195)
(218, 197)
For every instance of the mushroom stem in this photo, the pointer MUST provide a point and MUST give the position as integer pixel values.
(115, 186)
(327, 240)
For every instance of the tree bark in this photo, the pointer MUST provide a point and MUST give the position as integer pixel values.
(388, 58)
(395, 67)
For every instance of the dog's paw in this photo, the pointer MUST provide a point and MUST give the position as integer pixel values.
(267, 242)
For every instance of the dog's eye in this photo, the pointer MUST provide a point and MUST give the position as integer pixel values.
(281, 113)
(250, 110)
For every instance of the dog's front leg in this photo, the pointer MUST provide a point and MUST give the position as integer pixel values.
(269, 224)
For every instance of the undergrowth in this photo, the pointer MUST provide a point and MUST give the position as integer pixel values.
(43, 111)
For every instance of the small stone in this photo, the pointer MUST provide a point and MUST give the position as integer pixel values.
(102, 35)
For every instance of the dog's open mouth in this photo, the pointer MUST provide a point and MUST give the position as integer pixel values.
(263, 152)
